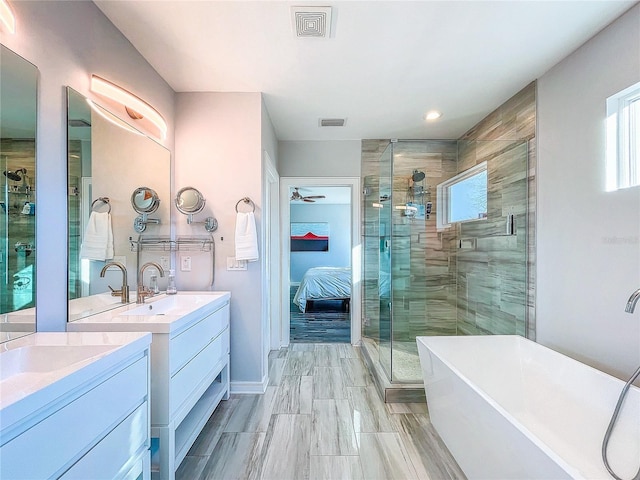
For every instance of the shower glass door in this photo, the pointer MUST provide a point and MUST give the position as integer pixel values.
(377, 259)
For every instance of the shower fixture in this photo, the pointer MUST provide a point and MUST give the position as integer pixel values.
(15, 175)
(417, 176)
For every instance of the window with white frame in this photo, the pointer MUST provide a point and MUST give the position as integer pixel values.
(623, 139)
(463, 198)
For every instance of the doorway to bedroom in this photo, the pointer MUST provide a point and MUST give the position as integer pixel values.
(320, 264)
(319, 233)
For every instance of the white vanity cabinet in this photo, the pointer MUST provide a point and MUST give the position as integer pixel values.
(76, 406)
(189, 365)
(190, 376)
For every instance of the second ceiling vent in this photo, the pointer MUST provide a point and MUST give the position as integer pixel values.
(332, 122)
(311, 21)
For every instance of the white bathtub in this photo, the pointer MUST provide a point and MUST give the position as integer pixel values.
(509, 408)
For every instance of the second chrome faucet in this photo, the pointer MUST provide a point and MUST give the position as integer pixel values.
(143, 291)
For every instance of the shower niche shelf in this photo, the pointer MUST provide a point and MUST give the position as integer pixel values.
(199, 243)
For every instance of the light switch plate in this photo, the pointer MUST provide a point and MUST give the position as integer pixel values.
(185, 263)
(164, 263)
(236, 265)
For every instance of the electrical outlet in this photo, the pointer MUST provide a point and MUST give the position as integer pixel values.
(185, 263)
(236, 265)
(164, 263)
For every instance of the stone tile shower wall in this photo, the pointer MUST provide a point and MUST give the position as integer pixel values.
(439, 288)
(496, 279)
(423, 269)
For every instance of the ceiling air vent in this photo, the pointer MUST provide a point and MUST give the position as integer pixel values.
(311, 21)
(332, 122)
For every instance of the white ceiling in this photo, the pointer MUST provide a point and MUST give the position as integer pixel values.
(385, 65)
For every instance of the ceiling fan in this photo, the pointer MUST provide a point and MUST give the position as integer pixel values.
(296, 195)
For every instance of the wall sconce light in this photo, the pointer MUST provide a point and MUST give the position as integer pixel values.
(7, 17)
(111, 118)
(136, 107)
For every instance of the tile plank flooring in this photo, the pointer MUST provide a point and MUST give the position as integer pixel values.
(325, 321)
(320, 419)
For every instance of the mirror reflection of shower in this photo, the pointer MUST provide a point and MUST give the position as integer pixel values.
(18, 175)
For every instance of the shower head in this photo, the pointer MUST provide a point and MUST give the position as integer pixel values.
(15, 175)
(417, 176)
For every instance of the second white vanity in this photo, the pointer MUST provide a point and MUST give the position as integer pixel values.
(189, 365)
(75, 406)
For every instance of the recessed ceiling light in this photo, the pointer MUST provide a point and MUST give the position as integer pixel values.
(433, 115)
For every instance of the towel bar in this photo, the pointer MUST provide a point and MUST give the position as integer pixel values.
(104, 200)
(246, 200)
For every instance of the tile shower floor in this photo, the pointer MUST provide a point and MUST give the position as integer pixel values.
(320, 418)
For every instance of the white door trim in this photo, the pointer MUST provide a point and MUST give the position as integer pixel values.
(271, 258)
(356, 272)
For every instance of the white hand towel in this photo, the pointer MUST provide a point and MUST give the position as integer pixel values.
(246, 237)
(97, 243)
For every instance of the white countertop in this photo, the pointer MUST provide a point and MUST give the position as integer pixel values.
(173, 312)
(42, 367)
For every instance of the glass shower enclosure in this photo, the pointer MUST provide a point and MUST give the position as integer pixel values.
(423, 275)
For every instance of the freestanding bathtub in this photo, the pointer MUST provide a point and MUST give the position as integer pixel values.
(509, 408)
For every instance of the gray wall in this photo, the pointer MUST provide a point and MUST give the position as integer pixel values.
(588, 239)
(219, 151)
(68, 41)
(339, 254)
(319, 158)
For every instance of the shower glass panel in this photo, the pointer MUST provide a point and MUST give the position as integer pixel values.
(377, 258)
(423, 281)
(469, 278)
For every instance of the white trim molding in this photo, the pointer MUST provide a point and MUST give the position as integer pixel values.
(356, 251)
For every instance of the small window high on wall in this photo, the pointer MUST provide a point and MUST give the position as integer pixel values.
(463, 198)
(623, 139)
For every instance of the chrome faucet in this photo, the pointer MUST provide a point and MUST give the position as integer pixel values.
(631, 303)
(144, 292)
(123, 293)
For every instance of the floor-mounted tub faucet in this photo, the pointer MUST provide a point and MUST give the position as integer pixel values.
(631, 303)
(631, 306)
(123, 293)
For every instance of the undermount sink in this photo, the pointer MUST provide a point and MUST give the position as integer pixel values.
(158, 307)
(45, 364)
(47, 358)
(180, 304)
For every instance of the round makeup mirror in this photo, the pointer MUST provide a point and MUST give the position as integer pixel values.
(189, 200)
(145, 200)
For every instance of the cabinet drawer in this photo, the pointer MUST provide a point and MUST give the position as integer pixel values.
(60, 439)
(194, 373)
(188, 343)
(118, 452)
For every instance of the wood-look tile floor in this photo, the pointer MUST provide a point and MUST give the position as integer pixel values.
(326, 321)
(321, 418)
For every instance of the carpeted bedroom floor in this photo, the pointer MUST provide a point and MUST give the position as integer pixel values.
(325, 322)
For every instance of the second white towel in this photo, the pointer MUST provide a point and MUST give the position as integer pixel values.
(246, 237)
(97, 243)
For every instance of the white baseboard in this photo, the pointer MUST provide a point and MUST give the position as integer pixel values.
(250, 387)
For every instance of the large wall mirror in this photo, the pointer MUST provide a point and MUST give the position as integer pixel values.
(18, 94)
(108, 161)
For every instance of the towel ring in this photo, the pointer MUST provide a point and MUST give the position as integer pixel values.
(104, 200)
(246, 200)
